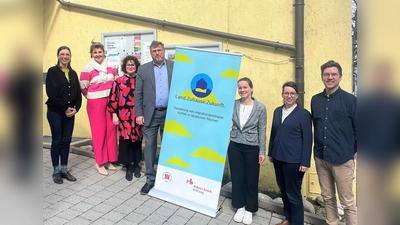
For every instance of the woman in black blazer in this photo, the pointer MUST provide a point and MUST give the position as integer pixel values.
(290, 152)
(64, 101)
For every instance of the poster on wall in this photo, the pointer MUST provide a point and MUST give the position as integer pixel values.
(197, 127)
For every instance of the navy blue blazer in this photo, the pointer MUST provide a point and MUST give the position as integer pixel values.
(291, 140)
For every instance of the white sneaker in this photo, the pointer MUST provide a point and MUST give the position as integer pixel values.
(248, 217)
(239, 215)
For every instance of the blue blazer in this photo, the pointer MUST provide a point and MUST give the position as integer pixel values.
(291, 140)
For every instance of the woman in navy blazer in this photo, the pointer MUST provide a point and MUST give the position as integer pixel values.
(290, 152)
(246, 151)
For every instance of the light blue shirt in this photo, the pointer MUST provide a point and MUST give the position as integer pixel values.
(161, 82)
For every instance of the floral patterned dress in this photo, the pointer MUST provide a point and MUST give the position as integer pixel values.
(121, 101)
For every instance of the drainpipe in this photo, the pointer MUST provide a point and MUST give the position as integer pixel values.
(164, 23)
(299, 52)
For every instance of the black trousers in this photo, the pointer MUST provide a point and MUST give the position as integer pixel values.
(61, 128)
(289, 179)
(129, 152)
(245, 171)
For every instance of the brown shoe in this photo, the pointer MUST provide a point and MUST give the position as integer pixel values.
(101, 170)
(284, 222)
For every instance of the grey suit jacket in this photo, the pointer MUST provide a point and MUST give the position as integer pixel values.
(145, 95)
(254, 131)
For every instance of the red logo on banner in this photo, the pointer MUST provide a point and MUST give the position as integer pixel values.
(189, 181)
(167, 177)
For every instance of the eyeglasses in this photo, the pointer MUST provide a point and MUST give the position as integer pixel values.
(130, 65)
(330, 74)
(286, 94)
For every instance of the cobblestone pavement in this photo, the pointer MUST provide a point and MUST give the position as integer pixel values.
(98, 199)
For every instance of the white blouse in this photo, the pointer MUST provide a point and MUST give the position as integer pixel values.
(244, 114)
(286, 112)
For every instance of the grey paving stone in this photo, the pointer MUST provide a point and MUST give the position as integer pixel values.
(66, 192)
(123, 195)
(135, 217)
(132, 189)
(114, 201)
(86, 193)
(217, 222)
(78, 221)
(153, 203)
(106, 182)
(125, 222)
(69, 214)
(74, 199)
(197, 220)
(261, 220)
(225, 217)
(113, 216)
(45, 204)
(48, 191)
(82, 207)
(105, 194)
(103, 208)
(175, 219)
(61, 206)
(49, 212)
(164, 211)
(144, 210)
(83, 165)
(52, 199)
(95, 187)
(124, 209)
(156, 218)
(55, 221)
(114, 188)
(145, 222)
(94, 200)
(169, 205)
(263, 213)
(133, 202)
(92, 215)
(202, 216)
(141, 197)
(185, 213)
(77, 186)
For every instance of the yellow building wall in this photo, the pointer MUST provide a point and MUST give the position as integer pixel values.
(327, 36)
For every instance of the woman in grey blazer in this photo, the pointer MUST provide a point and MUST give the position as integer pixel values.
(246, 151)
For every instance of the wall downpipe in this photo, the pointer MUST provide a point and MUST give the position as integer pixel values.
(299, 49)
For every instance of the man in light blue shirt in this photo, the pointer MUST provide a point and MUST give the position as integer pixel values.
(151, 100)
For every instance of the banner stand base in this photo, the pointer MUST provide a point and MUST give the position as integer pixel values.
(185, 203)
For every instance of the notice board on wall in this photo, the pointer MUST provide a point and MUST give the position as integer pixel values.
(117, 45)
(170, 49)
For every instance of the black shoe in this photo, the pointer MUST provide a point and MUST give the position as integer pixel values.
(137, 173)
(146, 188)
(128, 175)
(68, 176)
(57, 178)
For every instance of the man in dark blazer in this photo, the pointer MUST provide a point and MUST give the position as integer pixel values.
(151, 99)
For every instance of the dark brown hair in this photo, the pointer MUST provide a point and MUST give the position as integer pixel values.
(129, 58)
(331, 63)
(58, 52)
(290, 84)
